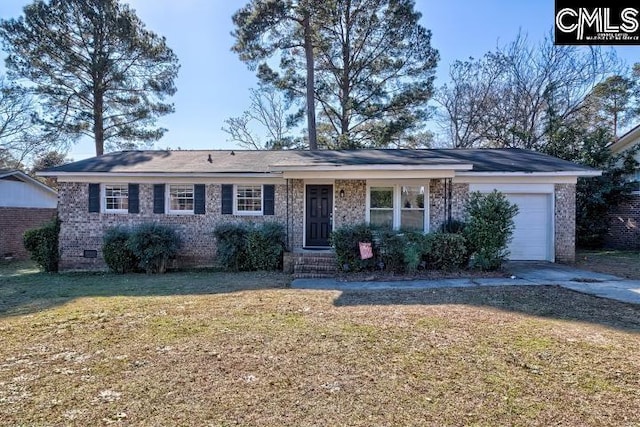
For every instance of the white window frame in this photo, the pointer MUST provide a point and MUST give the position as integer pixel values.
(397, 200)
(235, 200)
(103, 198)
(168, 200)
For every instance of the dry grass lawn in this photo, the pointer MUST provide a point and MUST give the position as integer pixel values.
(203, 348)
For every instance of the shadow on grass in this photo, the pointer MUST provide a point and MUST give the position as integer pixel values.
(24, 290)
(541, 301)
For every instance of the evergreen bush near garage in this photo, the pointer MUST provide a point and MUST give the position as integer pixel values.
(447, 251)
(153, 244)
(489, 228)
(42, 243)
(117, 255)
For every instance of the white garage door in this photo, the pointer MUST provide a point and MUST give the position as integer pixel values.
(532, 235)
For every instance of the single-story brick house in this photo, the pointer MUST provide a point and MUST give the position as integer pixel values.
(25, 203)
(310, 193)
(624, 229)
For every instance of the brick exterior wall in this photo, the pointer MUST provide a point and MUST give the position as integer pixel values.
(351, 209)
(459, 197)
(14, 222)
(565, 222)
(81, 230)
(624, 225)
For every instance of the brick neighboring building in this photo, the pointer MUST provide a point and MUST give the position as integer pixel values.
(310, 193)
(25, 203)
(624, 226)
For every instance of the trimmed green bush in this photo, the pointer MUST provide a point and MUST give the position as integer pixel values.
(42, 243)
(452, 226)
(265, 245)
(447, 251)
(153, 244)
(116, 253)
(412, 256)
(345, 241)
(231, 246)
(489, 228)
(247, 247)
(392, 250)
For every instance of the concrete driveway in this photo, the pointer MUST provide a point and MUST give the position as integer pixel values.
(589, 282)
(523, 274)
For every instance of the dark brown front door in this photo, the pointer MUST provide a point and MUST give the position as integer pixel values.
(319, 214)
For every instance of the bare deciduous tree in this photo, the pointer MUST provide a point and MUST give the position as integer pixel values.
(268, 111)
(505, 98)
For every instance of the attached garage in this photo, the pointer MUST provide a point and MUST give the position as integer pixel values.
(533, 236)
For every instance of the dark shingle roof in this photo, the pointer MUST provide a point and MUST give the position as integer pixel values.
(242, 161)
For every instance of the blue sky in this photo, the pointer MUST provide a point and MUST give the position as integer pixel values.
(213, 84)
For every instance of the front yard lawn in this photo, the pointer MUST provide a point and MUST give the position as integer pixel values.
(619, 263)
(203, 348)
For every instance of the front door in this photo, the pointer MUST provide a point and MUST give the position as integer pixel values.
(319, 218)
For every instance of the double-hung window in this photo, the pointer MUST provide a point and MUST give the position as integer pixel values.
(398, 206)
(248, 200)
(116, 198)
(181, 198)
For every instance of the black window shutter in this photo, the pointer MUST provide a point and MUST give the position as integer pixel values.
(199, 199)
(134, 198)
(158, 198)
(268, 198)
(94, 197)
(227, 199)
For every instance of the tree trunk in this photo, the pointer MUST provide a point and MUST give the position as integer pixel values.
(311, 100)
(345, 88)
(98, 122)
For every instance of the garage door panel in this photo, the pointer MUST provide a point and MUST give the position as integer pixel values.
(532, 235)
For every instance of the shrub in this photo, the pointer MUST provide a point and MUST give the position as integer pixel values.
(265, 245)
(392, 251)
(345, 241)
(455, 226)
(153, 244)
(231, 246)
(489, 228)
(116, 252)
(42, 243)
(447, 251)
(412, 256)
(246, 247)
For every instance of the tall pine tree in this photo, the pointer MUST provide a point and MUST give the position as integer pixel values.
(98, 71)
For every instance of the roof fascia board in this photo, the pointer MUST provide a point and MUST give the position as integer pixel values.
(559, 173)
(369, 167)
(370, 174)
(155, 179)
